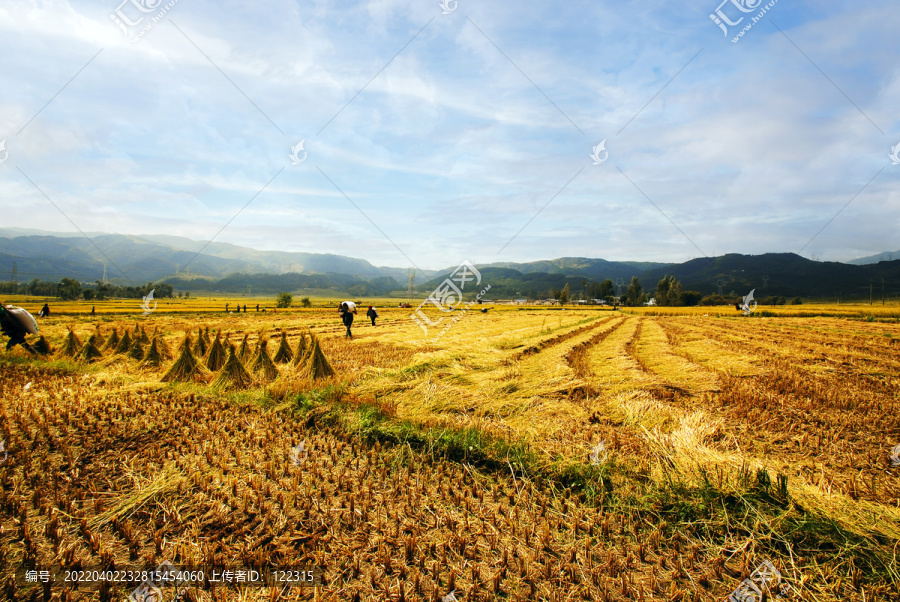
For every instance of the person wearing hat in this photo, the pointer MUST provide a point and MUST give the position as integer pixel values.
(12, 327)
(372, 314)
(347, 310)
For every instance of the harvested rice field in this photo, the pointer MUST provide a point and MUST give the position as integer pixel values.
(526, 454)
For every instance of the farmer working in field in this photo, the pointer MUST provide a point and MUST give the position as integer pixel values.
(347, 309)
(13, 328)
(372, 314)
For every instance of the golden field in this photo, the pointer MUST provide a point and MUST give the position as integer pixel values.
(463, 464)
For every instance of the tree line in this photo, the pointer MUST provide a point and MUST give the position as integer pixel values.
(69, 289)
(668, 293)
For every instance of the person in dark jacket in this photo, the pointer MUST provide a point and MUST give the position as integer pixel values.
(45, 311)
(257, 307)
(372, 314)
(346, 310)
(11, 327)
(245, 308)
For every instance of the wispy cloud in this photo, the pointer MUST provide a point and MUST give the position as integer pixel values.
(451, 136)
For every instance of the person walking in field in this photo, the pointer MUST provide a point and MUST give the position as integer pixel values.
(245, 308)
(11, 325)
(45, 311)
(372, 314)
(347, 310)
(257, 308)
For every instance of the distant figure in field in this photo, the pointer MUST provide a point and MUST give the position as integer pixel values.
(484, 310)
(245, 308)
(257, 307)
(45, 311)
(347, 309)
(12, 327)
(737, 306)
(93, 310)
(372, 314)
(226, 308)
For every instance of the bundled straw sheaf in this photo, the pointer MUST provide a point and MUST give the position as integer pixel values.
(152, 356)
(113, 341)
(263, 364)
(317, 365)
(124, 344)
(244, 353)
(215, 357)
(91, 350)
(233, 375)
(72, 345)
(42, 346)
(186, 367)
(284, 353)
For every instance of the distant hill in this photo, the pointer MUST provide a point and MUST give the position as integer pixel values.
(886, 256)
(583, 266)
(231, 268)
(148, 258)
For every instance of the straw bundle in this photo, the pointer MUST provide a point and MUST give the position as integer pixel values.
(200, 347)
(90, 351)
(152, 356)
(186, 366)
(317, 366)
(233, 375)
(42, 346)
(142, 336)
(124, 343)
(164, 350)
(136, 351)
(112, 341)
(301, 350)
(71, 346)
(284, 353)
(244, 352)
(263, 364)
(215, 357)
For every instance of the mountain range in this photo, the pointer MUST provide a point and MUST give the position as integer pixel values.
(130, 259)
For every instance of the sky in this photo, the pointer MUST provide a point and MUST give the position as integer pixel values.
(432, 133)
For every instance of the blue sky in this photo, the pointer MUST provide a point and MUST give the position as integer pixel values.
(434, 138)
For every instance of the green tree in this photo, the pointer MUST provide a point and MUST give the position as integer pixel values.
(635, 290)
(284, 300)
(564, 295)
(305, 302)
(88, 294)
(69, 289)
(690, 298)
(662, 291)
